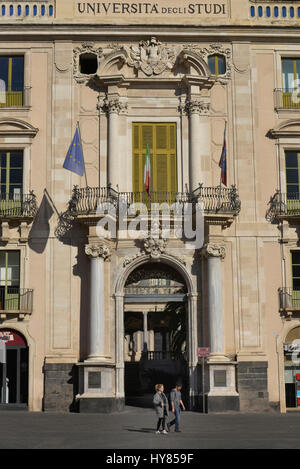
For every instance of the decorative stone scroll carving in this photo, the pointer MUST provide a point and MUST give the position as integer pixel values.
(213, 250)
(98, 250)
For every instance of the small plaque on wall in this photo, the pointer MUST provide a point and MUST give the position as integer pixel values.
(94, 379)
(220, 378)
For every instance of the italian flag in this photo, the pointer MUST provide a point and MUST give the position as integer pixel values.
(147, 170)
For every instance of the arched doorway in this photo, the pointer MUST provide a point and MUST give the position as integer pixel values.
(292, 368)
(13, 368)
(155, 330)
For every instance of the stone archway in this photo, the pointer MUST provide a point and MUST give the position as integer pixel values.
(155, 322)
(191, 307)
(14, 367)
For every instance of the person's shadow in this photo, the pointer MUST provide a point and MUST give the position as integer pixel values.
(141, 430)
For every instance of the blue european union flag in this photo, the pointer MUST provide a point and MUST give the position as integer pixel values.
(74, 159)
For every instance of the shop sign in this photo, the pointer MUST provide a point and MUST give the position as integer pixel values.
(9, 337)
(292, 348)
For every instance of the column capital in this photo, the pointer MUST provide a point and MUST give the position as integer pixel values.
(97, 250)
(197, 106)
(112, 105)
(213, 250)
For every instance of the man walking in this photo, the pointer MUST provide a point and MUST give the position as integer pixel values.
(176, 402)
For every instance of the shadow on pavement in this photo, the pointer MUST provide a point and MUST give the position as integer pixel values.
(141, 430)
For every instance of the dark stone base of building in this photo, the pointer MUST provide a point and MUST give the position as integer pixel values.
(222, 403)
(106, 405)
(60, 387)
(252, 382)
(21, 407)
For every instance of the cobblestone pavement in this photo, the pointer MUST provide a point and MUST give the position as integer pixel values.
(134, 428)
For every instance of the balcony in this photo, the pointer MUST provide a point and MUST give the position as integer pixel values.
(15, 301)
(15, 98)
(289, 300)
(287, 99)
(19, 206)
(218, 203)
(284, 206)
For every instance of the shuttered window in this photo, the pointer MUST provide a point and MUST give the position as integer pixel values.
(161, 139)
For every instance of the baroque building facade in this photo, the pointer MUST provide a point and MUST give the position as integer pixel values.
(92, 316)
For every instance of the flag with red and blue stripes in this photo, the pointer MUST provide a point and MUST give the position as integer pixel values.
(222, 163)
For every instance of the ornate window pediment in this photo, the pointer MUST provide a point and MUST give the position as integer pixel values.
(152, 58)
(16, 127)
(288, 128)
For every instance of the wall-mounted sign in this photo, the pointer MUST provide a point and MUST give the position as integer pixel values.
(156, 9)
(203, 352)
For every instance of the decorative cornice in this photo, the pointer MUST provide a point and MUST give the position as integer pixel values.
(97, 250)
(213, 250)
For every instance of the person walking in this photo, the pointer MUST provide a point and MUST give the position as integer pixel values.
(161, 406)
(176, 402)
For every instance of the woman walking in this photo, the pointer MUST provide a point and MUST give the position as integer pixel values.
(161, 405)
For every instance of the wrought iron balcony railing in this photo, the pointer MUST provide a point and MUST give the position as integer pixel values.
(15, 299)
(92, 201)
(283, 205)
(287, 98)
(20, 206)
(289, 299)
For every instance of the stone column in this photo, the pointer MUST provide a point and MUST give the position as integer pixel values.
(214, 254)
(222, 394)
(145, 331)
(98, 254)
(114, 107)
(119, 346)
(199, 141)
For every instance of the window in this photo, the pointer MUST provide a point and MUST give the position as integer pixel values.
(9, 280)
(292, 170)
(290, 81)
(11, 175)
(11, 182)
(217, 64)
(11, 81)
(88, 64)
(292, 174)
(161, 139)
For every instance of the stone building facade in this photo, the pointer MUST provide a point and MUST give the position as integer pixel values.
(92, 317)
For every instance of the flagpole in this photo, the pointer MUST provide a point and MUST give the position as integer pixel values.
(82, 154)
(220, 186)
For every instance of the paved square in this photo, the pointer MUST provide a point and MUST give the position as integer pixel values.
(134, 428)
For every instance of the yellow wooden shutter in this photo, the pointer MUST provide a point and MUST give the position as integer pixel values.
(162, 143)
